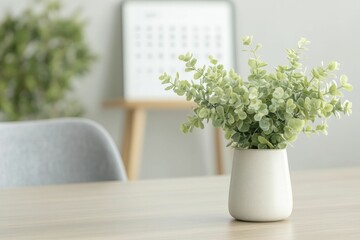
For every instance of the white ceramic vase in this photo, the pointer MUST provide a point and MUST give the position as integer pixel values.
(260, 187)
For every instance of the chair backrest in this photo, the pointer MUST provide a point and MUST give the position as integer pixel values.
(58, 151)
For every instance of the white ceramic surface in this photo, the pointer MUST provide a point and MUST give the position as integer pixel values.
(260, 187)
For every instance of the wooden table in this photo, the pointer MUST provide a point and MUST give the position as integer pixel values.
(327, 206)
(134, 130)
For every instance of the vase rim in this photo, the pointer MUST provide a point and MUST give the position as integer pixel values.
(265, 150)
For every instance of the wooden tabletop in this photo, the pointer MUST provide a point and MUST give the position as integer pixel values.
(326, 206)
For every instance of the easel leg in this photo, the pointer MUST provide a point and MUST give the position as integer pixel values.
(219, 159)
(133, 141)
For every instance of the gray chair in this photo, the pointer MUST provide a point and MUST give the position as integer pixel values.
(58, 151)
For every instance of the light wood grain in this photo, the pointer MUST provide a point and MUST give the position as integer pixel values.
(326, 206)
(133, 141)
(219, 159)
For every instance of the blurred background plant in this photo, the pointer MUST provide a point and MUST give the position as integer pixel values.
(41, 52)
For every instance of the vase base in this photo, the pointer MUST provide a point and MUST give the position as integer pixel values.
(261, 221)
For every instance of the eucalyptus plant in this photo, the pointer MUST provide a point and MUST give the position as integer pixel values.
(269, 109)
(41, 52)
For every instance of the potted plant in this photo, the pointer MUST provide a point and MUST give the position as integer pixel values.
(41, 52)
(261, 116)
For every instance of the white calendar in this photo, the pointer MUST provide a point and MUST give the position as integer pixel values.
(156, 32)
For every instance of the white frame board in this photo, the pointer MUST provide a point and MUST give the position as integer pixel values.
(155, 32)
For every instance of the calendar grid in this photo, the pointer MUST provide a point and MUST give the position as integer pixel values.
(156, 32)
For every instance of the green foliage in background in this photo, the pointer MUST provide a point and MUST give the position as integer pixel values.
(268, 110)
(41, 51)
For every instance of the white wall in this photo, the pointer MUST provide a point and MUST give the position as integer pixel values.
(277, 24)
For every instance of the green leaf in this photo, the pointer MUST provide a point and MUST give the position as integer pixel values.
(262, 146)
(213, 60)
(187, 57)
(348, 87)
(197, 75)
(220, 111)
(343, 79)
(258, 46)
(252, 63)
(328, 107)
(203, 113)
(231, 119)
(296, 124)
(278, 93)
(333, 89)
(303, 42)
(258, 117)
(242, 115)
(333, 66)
(185, 128)
(282, 145)
(315, 73)
(347, 107)
(247, 40)
(214, 100)
(265, 141)
(229, 133)
(264, 124)
(193, 62)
